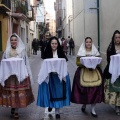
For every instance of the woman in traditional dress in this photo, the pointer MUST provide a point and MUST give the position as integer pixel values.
(112, 97)
(14, 94)
(61, 90)
(83, 93)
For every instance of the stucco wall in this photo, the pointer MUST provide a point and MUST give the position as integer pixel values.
(4, 22)
(109, 22)
(67, 11)
(91, 27)
(85, 23)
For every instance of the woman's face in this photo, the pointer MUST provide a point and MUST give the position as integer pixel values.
(14, 42)
(88, 44)
(117, 39)
(54, 44)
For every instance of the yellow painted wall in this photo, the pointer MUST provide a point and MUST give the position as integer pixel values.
(4, 21)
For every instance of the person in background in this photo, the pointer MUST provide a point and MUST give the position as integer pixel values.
(35, 46)
(43, 46)
(59, 39)
(64, 45)
(71, 46)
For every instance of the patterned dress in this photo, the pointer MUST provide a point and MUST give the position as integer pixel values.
(111, 97)
(15, 94)
(86, 95)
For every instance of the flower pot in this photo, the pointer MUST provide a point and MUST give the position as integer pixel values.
(18, 10)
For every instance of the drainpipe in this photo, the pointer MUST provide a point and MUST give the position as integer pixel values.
(98, 22)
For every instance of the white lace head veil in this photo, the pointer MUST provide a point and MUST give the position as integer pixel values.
(82, 49)
(20, 46)
(21, 53)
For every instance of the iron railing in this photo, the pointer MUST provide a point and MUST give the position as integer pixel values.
(7, 3)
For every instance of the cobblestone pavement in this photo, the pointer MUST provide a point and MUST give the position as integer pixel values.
(73, 112)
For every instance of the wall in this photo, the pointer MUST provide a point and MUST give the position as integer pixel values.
(78, 23)
(4, 21)
(109, 22)
(85, 22)
(67, 11)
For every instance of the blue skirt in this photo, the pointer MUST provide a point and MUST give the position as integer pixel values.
(54, 88)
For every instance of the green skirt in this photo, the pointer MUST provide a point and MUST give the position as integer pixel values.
(114, 87)
(112, 98)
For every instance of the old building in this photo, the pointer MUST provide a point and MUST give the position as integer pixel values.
(97, 19)
(58, 9)
(5, 7)
(94, 18)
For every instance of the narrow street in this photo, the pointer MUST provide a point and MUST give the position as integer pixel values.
(73, 112)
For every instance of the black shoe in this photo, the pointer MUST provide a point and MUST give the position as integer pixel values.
(83, 109)
(12, 112)
(57, 116)
(49, 109)
(118, 113)
(16, 116)
(94, 115)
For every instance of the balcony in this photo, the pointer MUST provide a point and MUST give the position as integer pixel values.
(21, 7)
(20, 11)
(5, 6)
(7, 3)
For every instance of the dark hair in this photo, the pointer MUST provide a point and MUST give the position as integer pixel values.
(48, 51)
(88, 38)
(63, 38)
(116, 32)
(110, 51)
(111, 47)
(52, 38)
(13, 35)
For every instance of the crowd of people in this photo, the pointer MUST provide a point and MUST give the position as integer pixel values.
(90, 85)
(66, 44)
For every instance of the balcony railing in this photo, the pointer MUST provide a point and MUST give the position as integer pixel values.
(21, 7)
(7, 3)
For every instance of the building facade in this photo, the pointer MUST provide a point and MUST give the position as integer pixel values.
(5, 7)
(15, 18)
(66, 17)
(94, 18)
(64, 11)
(58, 12)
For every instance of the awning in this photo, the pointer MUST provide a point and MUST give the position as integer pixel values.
(18, 16)
(4, 9)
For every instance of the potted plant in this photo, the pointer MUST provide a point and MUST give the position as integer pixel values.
(20, 8)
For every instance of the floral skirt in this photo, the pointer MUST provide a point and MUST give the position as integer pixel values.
(15, 94)
(111, 97)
